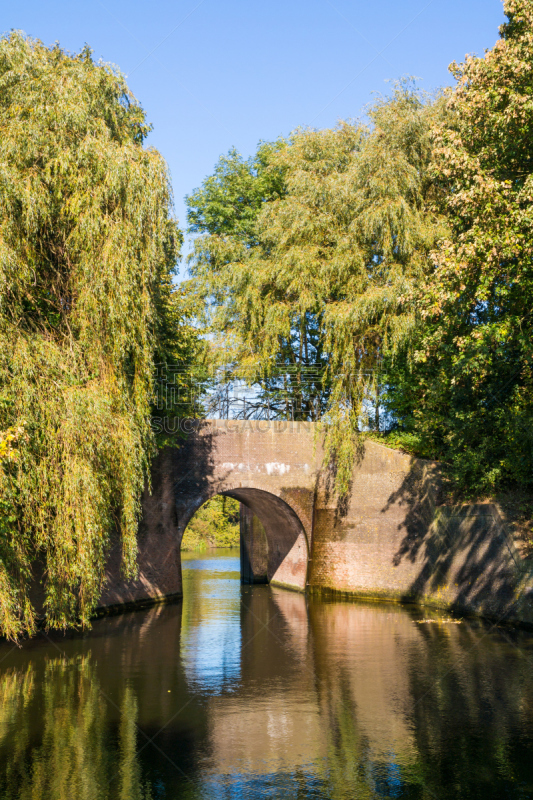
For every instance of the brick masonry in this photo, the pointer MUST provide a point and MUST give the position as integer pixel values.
(389, 539)
(254, 547)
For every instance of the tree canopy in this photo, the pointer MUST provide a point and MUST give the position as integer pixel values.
(323, 282)
(468, 392)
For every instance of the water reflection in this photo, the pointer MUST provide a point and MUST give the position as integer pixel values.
(256, 692)
(56, 741)
(211, 632)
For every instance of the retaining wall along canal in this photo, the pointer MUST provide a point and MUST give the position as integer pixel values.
(391, 538)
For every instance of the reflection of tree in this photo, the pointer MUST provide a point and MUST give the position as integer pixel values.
(16, 691)
(198, 604)
(443, 720)
(130, 770)
(62, 746)
(195, 605)
(346, 772)
(473, 695)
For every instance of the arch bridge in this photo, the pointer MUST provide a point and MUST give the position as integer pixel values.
(387, 539)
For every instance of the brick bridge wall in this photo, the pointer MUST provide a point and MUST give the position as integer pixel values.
(390, 539)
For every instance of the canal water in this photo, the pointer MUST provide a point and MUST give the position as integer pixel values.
(257, 692)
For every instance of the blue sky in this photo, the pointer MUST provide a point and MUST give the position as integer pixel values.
(216, 73)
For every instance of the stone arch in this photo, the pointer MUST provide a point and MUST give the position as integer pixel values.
(287, 539)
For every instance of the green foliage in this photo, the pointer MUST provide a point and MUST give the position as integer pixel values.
(228, 202)
(87, 242)
(391, 259)
(469, 392)
(393, 262)
(407, 441)
(225, 211)
(215, 524)
(180, 362)
(325, 277)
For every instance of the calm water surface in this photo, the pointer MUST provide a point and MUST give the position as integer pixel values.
(251, 692)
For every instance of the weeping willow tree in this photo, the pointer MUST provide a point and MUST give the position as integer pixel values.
(336, 261)
(87, 244)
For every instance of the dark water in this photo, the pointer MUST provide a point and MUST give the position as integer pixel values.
(245, 692)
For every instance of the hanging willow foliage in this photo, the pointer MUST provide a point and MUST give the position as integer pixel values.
(86, 242)
(339, 253)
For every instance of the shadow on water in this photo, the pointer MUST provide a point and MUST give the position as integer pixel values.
(252, 691)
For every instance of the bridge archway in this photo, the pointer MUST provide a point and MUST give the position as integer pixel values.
(285, 561)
